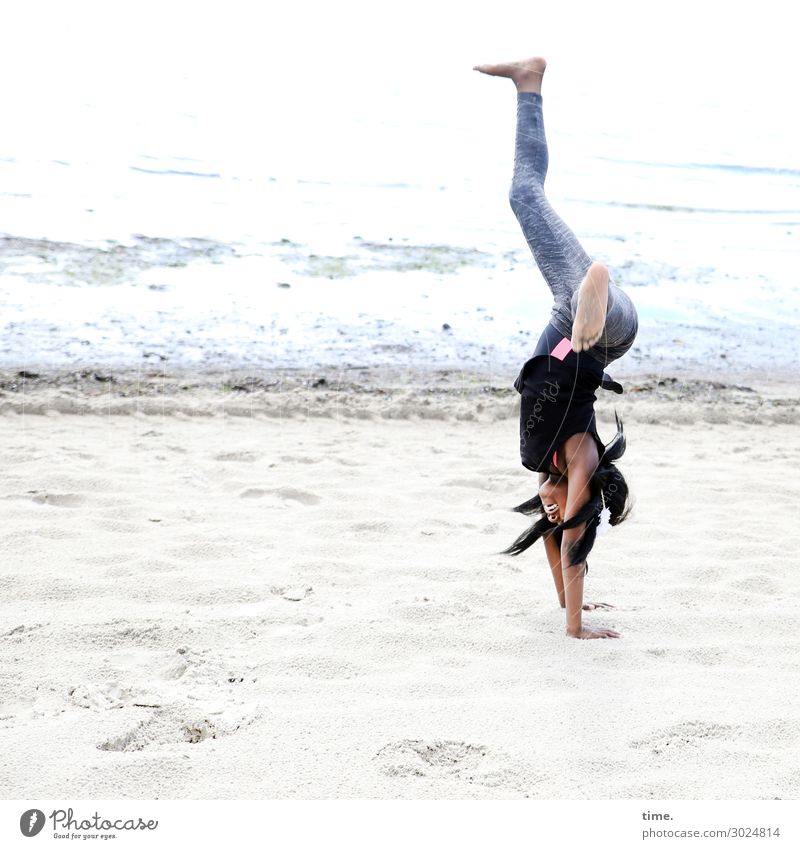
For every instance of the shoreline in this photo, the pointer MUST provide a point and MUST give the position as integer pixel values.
(377, 392)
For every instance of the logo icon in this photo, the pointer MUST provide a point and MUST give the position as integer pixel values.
(31, 822)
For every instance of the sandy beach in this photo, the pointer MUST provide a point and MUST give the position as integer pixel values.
(268, 276)
(287, 584)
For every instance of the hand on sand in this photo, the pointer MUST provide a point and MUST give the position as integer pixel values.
(589, 633)
(595, 605)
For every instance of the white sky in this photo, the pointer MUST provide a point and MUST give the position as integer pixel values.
(295, 47)
(273, 80)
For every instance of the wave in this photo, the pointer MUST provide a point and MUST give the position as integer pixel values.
(173, 173)
(712, 166)
(669, 207)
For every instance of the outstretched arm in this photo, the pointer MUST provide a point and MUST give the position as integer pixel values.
(582, 459)
(577, 495)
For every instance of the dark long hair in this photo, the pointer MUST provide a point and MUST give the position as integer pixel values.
(608, 480)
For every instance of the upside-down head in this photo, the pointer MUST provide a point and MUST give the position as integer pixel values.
(609, 501)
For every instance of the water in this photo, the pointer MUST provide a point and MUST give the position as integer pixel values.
(244, 174)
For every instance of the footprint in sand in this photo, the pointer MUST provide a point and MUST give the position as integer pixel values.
(284, 493)
(104, 697)
(197, 696)
(178, 449)
(201, 668)
(454, 759)
(372, 526)
(79, 455)
(707, 656)
(779, 733)
(237, 456)
(296, 593)
(657, 652)
(177, 723)
(763, 737)
(200, 663)
(160, 730)
(759, 583)
(54, 499)
(175, 670)
(23, 629)
(685, 736)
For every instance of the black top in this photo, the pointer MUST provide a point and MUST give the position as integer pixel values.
(557, 386)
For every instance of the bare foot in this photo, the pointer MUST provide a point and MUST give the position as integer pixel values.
(527, 74)
(590, 314)
(596, 605)
(587, 632)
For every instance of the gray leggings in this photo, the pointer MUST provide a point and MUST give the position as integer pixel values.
(559, 255)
